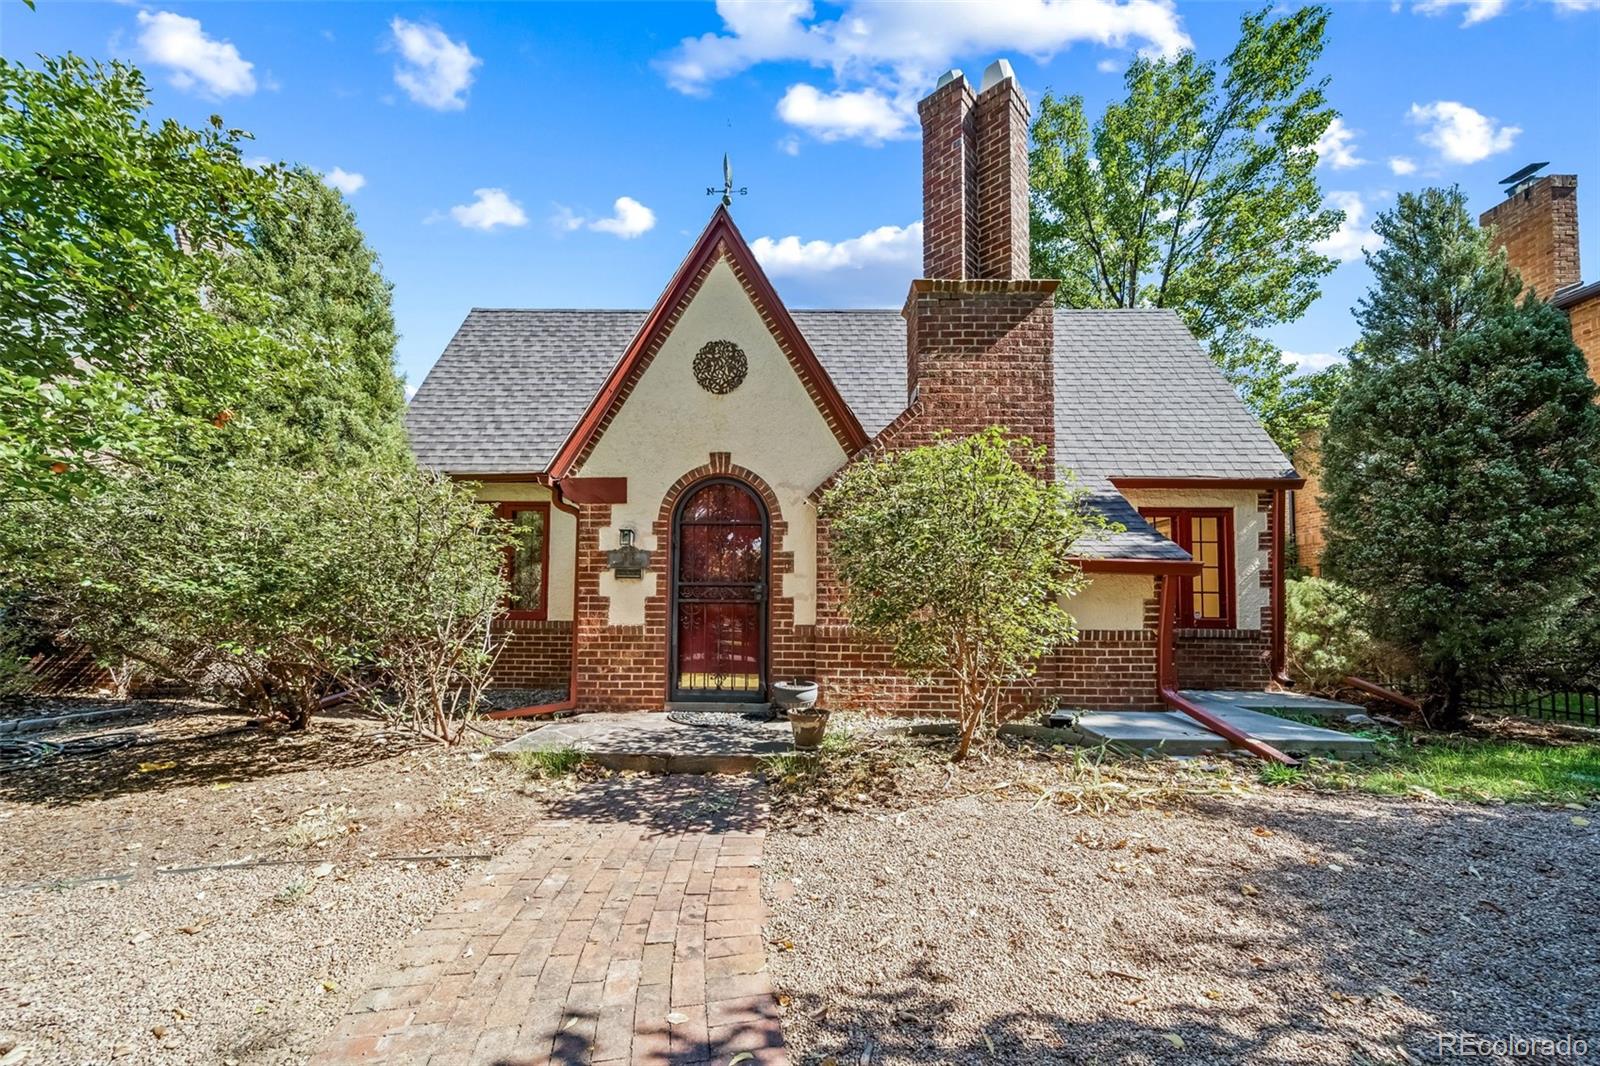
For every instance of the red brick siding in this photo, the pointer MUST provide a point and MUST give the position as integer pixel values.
(1225, 658)
(1586, 332)
(533, 654)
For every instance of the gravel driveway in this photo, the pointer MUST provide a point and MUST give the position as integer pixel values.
(1276, 927)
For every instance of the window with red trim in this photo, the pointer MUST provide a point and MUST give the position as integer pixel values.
(1206, 600)
(528, 558)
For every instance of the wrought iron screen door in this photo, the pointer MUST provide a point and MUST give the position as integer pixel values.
(719, 594)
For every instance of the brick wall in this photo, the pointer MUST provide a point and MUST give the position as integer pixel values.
(1307, 523)
(533, 654)
(949, 185)
(1001, 117)
(1539, 229)
(1225, 658)
(1586, 331)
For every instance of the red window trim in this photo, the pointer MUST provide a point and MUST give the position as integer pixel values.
(1179, 517)
(508, 512)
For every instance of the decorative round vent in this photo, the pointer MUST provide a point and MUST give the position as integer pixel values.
(720, 366)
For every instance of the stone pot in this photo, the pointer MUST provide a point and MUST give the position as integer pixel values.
(809, 726)
(794, 695)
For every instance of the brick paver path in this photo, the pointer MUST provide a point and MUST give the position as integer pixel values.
(625, 929)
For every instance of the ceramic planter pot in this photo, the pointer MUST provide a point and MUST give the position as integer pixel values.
(809, 726)
(796, 695)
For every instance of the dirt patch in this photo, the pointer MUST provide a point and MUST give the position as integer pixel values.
(975, 921)
(115, 948)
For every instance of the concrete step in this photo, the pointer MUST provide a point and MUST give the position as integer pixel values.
(727, 708)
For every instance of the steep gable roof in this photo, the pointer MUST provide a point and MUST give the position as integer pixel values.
(720, 241)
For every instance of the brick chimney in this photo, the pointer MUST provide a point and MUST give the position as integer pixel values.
(1538, 225)
(980, 331)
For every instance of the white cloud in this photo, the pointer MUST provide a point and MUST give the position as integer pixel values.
(180, 45)
(1351, 238)
(1567, 7)
(1461, 134)
(1109, 66)
(1336, 147)
(1311, 362)
(491, 208)
(789, 145)
(894, 50)
(629, 219)
(1399, 164)
(434, 71)
(346, 181)
(1475, 10)
(899, 246)
(866, 115)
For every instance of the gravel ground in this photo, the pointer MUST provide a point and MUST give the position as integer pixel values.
(107, 953)
(978, 926)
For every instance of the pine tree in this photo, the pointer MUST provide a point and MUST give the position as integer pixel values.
(1461, 467)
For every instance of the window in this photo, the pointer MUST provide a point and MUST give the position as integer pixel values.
(528, 558)
(1205, 601)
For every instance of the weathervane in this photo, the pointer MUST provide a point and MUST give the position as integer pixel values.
(727, 189)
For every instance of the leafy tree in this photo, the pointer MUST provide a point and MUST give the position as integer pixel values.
(1462, 488)
(1197, 192)
(1325, 639)
(955, 555)
(110, 231)
(273, 587)
(305, 275)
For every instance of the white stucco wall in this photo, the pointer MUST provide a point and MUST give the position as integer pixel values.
(669, 425)
(1112, 601)
(563, 541)
(1249, 561)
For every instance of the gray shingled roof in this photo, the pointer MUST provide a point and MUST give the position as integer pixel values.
(1136, 396)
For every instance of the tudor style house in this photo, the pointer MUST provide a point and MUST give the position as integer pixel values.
(662, 467)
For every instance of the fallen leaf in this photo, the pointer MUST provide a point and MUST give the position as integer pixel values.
(1135, 1001)
(1261, 831)
(179, 1013)
(784, 1000)
(1580, 822)
(159, 1032)
(330, 986)
(677, 1017)
(743, 1056)
(1174, 1039)
(1213, 994)
(322, 869)
(16, 1055)
(140, 937)
(1249, 890)
(989, 1043)
(155, 767)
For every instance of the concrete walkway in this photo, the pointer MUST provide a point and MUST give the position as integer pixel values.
(1172, 733)
(625, 929)
(654, 742)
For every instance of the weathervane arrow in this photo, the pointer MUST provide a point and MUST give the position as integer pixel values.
(727, 189)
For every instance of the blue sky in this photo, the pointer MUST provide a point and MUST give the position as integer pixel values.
(557, 155)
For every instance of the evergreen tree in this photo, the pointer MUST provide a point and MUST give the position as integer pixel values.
(306, 276)
(1436, 275)
(1461, 471)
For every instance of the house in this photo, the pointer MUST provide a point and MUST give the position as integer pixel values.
(662, 467)
(1537, 225)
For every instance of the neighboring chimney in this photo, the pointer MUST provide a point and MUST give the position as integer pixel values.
(1538, 225)
(980, 333)
(1001, 115)
(949, 180)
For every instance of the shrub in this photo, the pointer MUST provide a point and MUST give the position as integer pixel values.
(1326, 642)
(956, 556)
(273, 588)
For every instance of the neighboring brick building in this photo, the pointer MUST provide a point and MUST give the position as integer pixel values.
(701, 432)
(1537, 224)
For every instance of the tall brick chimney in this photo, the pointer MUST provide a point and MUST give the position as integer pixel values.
(1538, 225)
(979, 329)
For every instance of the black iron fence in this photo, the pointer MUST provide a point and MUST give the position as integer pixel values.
(1544, 698)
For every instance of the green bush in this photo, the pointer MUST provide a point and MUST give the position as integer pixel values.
(271, 588)
(1326, 642)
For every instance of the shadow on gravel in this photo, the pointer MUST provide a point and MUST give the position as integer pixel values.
(1416, 921)
(177, 745)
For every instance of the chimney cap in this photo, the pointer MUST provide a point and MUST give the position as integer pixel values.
(995, 73)
(953, 74)
(1515, 183)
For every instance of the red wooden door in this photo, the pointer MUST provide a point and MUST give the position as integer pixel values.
(720, 594)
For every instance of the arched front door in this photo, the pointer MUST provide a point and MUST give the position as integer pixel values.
(719, 594)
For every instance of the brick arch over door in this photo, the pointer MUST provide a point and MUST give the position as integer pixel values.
(789, 646)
